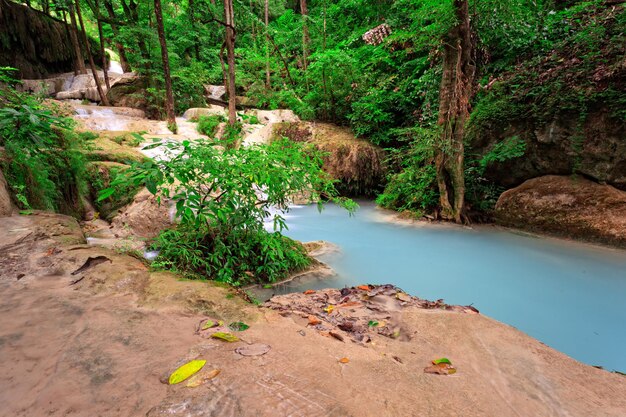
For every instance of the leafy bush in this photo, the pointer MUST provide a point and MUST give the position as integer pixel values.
(207, 125)
(223, 197)
(43, 163)
(414, 187)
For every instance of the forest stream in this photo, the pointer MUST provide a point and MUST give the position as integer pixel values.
(565, 294)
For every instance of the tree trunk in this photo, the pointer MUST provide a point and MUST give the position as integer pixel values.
(192, 19)
(101, 36)
(120, 48)
(169, 96)
(229, 19)
(79, 68)
(454, 104)
(103, 97)
(305, 33)
(267, 46)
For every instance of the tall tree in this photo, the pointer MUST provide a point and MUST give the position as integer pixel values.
(229, 40)
(169, 96)
(454, 105)
(305, 33)
(79, 68)
(96, 11)
(267, 45)
(121, 51)
(103, 97)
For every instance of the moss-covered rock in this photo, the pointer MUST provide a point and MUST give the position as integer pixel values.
(357, 164)
(105, 148)
(99, 176)
(566, 206)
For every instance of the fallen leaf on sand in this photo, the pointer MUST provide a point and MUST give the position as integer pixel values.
(186, 371)
(364, 287)
(350, 304)
(227, 337)
(314, 321)
(442, 360)
(202, 378)
(255, 349)
(329, 309)
(208, 324)
(441, 369)
(238, 326)
(309, 292)
(344, 360)
(336, 335)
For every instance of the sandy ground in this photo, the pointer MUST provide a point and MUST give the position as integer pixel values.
(99, 342)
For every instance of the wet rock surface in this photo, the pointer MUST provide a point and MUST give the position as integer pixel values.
(102, 341)
(566, 206)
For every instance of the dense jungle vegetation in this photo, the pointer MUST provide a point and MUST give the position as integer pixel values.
(424, 79)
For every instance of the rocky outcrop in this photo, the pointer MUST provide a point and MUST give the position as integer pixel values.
(6, 206)
(35, 43)
(566, 206)
(213, 110)
(596, 148)
(144, 217)
(129, 91)
(68, 86)
(356, 163)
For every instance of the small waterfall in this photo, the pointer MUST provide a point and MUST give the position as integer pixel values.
(115, 67)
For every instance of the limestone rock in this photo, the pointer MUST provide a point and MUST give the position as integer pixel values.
(563, 146)
(195, 113)
(566, 206)
(6, 207)
(356, 163)
(128, 91)
(144, 217)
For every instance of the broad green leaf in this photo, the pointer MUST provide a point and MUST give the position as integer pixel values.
(185, 371)
(238, 326)
(372, 323)
(442, 360)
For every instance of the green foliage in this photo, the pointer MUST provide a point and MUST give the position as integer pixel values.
(43, 163)
(510, 148)
(207, 125)
(413, 187)
(223, 197)
(99, 176)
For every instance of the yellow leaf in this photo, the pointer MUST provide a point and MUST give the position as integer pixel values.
(186, 371)
(227, 337)
(329, 309)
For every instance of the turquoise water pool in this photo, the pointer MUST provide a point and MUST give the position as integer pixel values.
(570, 296)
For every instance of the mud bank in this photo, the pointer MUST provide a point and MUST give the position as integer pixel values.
(81, 337)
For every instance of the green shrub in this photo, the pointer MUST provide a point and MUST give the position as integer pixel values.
(413, 187)
(223, 197)
(207, 125)
(42, 162)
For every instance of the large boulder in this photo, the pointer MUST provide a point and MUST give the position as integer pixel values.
(129, 91)
(566, 206)
(144, 217)
(596, 148)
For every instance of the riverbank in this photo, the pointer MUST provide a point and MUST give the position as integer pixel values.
(97, 342)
